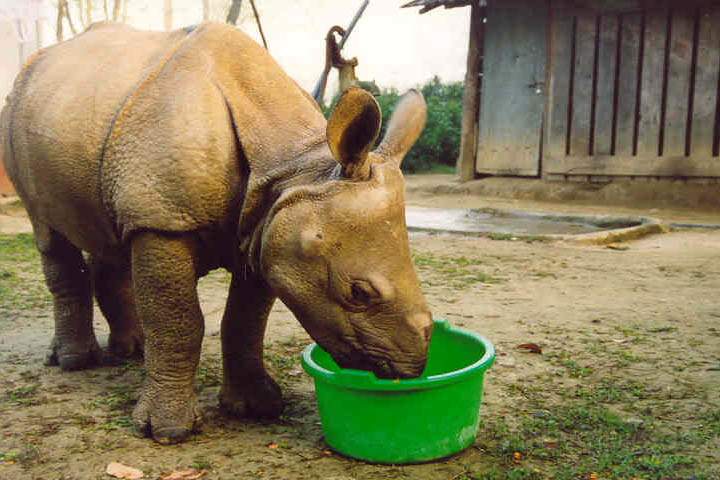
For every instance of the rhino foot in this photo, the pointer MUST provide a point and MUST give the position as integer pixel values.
(257, 398)
(125, 347)
(170, 417)
(73, 356)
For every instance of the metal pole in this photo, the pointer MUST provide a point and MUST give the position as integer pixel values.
(320, 84)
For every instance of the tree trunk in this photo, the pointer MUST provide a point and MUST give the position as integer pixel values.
(59, 25)
(105, 9)
(471, 97)
(81, 12)
(206, 10)
(168, 15)
(89, 9)
(234, 12)
(116, 10)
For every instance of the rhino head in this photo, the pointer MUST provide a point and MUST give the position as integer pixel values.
(337, 252)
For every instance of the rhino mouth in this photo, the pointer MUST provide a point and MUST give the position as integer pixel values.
(382, 367)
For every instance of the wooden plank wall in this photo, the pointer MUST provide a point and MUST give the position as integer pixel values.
(634, 93)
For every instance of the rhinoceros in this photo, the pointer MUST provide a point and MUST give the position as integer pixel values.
(147, 159)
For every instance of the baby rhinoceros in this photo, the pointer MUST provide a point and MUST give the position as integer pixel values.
(163, 156)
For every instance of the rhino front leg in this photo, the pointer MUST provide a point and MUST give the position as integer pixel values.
(114, 293)
(74, 345)
(164, 274)
(248, 390)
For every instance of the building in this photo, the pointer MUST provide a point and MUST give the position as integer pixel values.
(591, 90)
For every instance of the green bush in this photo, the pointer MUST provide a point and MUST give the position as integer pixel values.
(438, 147)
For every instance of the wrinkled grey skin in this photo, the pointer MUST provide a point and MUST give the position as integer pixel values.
(165, 155)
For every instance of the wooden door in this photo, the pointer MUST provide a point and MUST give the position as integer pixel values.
(513, 88)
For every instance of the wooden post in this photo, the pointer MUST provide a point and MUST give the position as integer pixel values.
(471, 96)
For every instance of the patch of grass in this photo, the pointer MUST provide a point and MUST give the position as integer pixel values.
(9, 457)
(23, 396)
(501, 236)
(22, 284)
(25, 456)
(117, 398)
(611, 391)
(711, 423)
(118, 401)
(456, 272)
(209, 372)
(439, 168)
(512, 473)
(664, 329)
(579, 437)
(574, 369)
(121, 422)
(201, 463)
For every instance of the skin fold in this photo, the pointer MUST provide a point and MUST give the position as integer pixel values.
(162, 156)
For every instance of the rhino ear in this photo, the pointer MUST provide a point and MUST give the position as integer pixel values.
(352, 130)
(406, 125)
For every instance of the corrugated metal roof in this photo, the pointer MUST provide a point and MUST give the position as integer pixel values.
(427, 5)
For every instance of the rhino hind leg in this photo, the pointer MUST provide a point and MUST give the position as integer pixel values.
(248, 390)
(74, 345)
(164, 277)
(112, 284)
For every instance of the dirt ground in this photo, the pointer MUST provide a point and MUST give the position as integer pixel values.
(627, 384)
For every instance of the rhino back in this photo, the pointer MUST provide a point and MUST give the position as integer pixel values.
(60, 113)
(214, 120)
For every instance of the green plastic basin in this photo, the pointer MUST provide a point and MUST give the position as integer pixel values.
(410, 420)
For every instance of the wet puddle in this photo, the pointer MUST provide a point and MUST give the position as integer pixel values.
(511, 222)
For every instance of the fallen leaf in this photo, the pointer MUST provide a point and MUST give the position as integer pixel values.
(327, 452)
(593, 476)
(188, 474)
(118, 470)
(530, 347)
(615, 246)
(550, 443)
(272, 445)
(517, 456)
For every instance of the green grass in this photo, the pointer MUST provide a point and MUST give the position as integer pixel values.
(201, 463)
(209, 372)
(117, 398)
(117, 401)
(122, 422)
(574, 369)
(22, 284)
(439, 168)
(23, 396)
(590, 417)
(25, 456)
(571, 440)
(456, 272)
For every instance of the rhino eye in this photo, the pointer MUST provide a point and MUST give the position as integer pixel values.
(362, 293)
